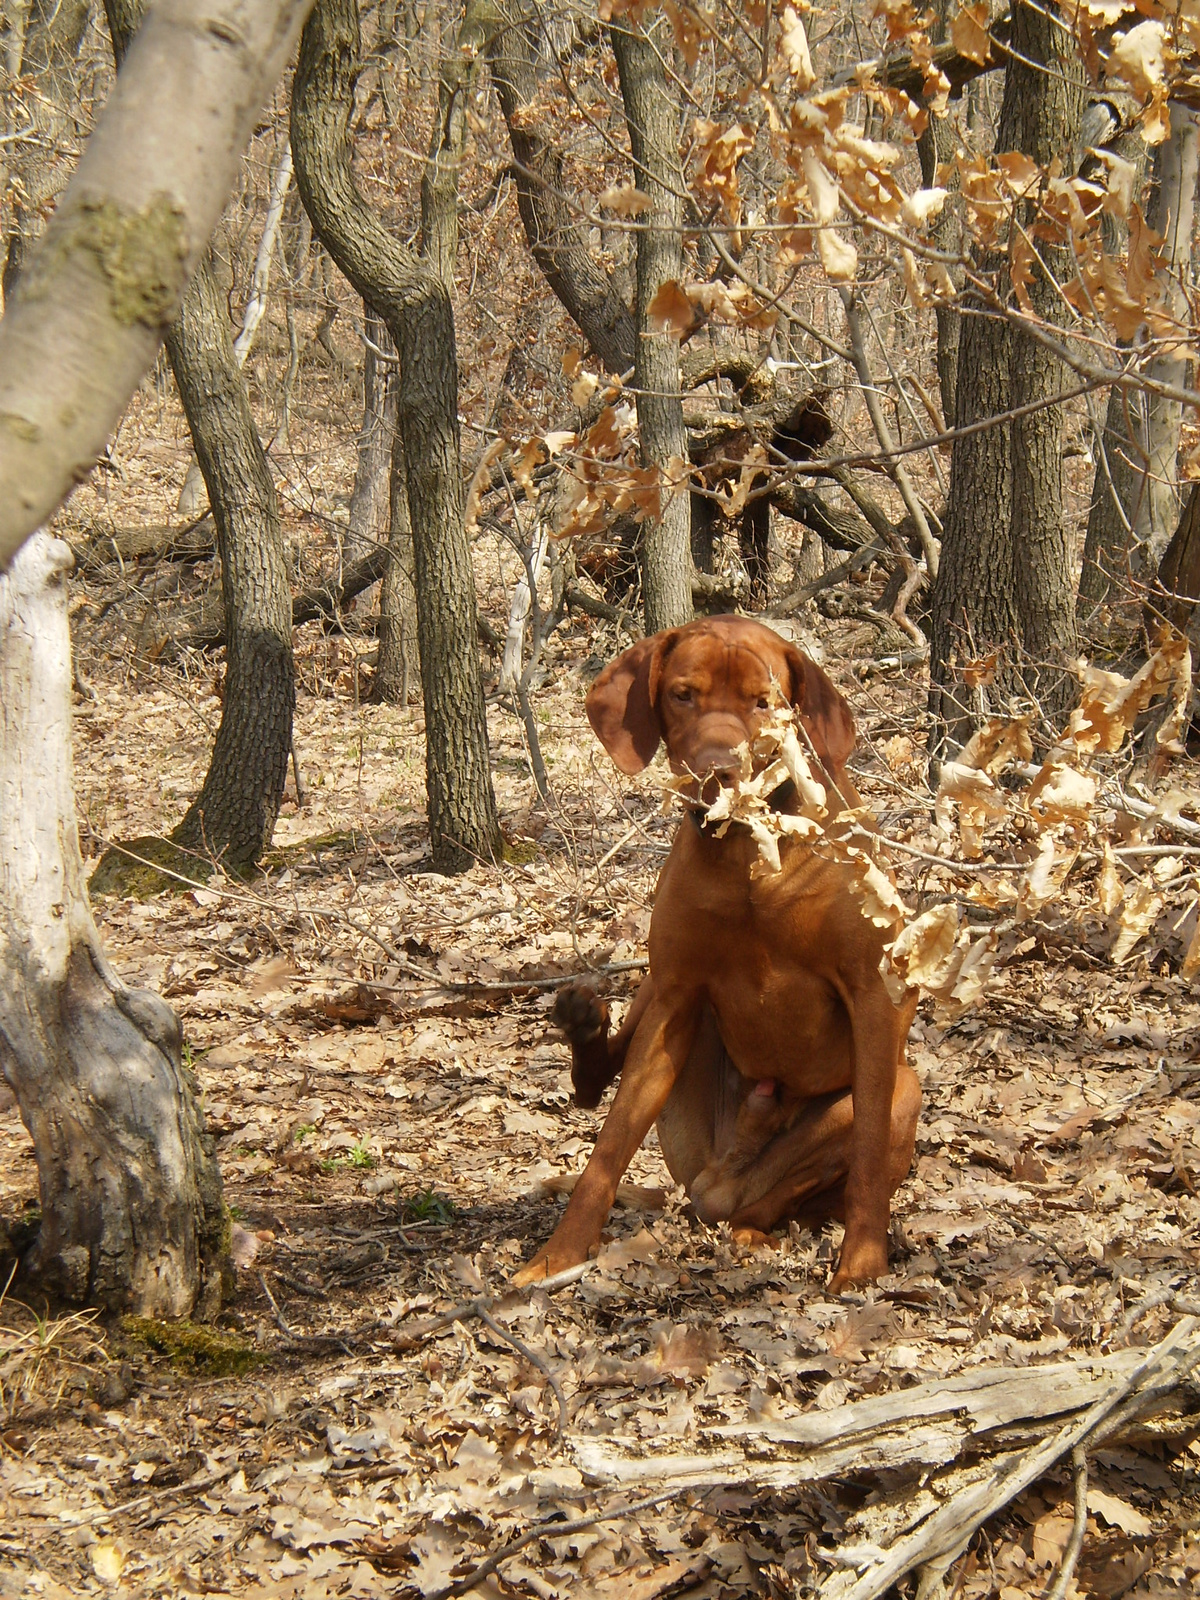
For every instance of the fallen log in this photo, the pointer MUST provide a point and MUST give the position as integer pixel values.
(1020, 1420)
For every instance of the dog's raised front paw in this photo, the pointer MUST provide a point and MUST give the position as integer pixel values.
(579, 1011)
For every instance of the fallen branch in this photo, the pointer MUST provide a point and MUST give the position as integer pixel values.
(932, 1426)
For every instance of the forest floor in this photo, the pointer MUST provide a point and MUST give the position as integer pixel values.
(393, 1118)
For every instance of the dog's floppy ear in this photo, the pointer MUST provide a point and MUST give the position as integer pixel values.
(823, 711)
(622, 703)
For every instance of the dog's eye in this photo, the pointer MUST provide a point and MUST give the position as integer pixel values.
(763, 703)
(682, 694)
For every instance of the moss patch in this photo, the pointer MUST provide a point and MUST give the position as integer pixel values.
(192, 1348)
(131, 869)
(286, 855)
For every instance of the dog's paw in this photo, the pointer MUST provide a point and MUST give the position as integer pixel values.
(579, 1011)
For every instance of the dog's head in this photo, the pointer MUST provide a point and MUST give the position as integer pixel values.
(703, 690)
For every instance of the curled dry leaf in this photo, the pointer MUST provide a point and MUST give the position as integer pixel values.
(793, 43)
(1045, 877)
(1109, 889)
(1138, 915)
(670, 311)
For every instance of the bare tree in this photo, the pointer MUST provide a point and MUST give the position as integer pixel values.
(413, 301)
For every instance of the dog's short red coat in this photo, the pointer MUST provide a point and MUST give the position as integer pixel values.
(764, 1042)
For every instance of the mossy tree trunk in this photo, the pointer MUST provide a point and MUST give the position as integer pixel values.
(132, 1215)
(412, 299)
(107, 277)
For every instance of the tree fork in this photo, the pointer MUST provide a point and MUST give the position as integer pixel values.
(413, 301)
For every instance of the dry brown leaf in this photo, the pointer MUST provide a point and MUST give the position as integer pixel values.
(1110, 891)
(793, 42)
(626, 200)
(969, 31)
(670, 311)
(1138, 915)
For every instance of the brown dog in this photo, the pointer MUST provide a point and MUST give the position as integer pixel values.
(763, 1042)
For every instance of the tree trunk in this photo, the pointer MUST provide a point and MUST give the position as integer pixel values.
(370, 499)
(413, 301)
(132, 1215)
(233, 817)
(109, 273)
(53, 32)
(1175, 595)
(398, 672)
(1172, 215)
(439, 182)
(1005, 575)
(587, 291)
(1104, 567)
(652, 116)
(936, 148)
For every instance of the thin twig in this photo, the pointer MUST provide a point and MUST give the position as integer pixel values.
(545, 1530)
(308, 1341)
(534, 1360)
(1070, 1558)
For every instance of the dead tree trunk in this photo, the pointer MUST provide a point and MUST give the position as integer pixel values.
(132, 1215)
(414, 303)
(652, 116)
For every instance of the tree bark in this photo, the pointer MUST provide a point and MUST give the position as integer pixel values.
(652, 117)
(108, 275)
(233, 816)
(1005, 574)
(413, 301)
(398, 672)
(587, 292)
(370, 498)
(1116, 481)
(1157, 502)
(439, 183)
(937, 147)
(132, 1214)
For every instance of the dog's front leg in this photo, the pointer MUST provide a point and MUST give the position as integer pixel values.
(657, 1054)
(877, 1030)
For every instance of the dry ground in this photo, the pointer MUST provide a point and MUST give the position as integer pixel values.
(393, 1152)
